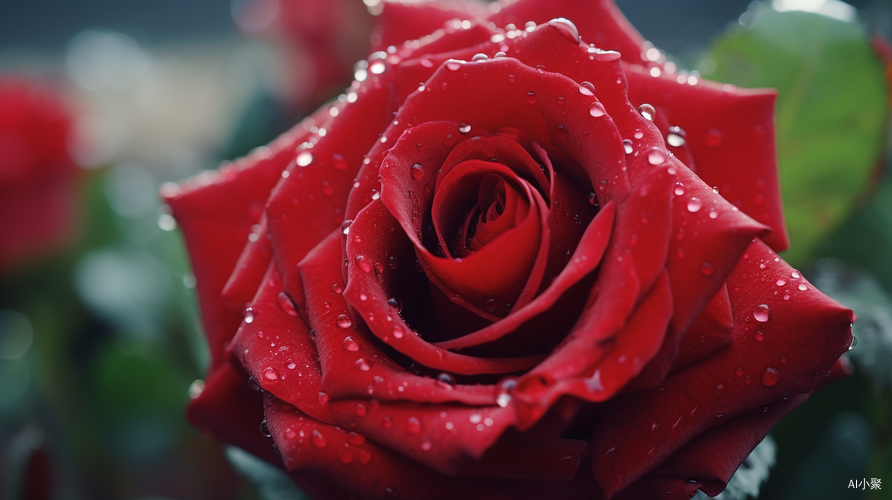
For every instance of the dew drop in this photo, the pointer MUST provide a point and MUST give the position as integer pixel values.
(286, 304)
(338, 161)
(445, 381)
(249, 315)
(781, 282)
(344, 321)
(426, 445)
(676, 137)
(304, 159)
(802, 287)
(464, 128)
(511, 78)
(647, 111)
(387, 422)
(694, 204)
(531, 97)
(393, 262)
(323, 398)
(362, 365)
(566, 28)
(586, 88)
(593, 199)
(345, 226)
(761, 313)
(264, 429)
(479, 57)
(417, 172)
(706, 269)
(656, 157)
(760, 337)
(770, 377)
(398, 332)
(270, 374)
(627, 146)
(396, 304)
(490, 303)
(345, 456)
(854, 342)
(679, 188)
(597, 110)
(503, 391)
(318, 439)
(795, 275)
(349, 344)
(413, 425)
(363, 263)
(361, 410)
(336, 288)
(718, 391)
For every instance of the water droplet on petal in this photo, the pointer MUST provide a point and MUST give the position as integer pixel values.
(586, 88)
(396, 304)
(349, 344)
(679, 188)
(362, 365)
(323, 398)
(511, 78)
(344, 321)
(593, 199)
(270, 374)
(361, 410)
(503, 391)
(398, 332)
(802, 287)
(413, 425)
(781, 282)
(264, 429)
(694, 204)
(417, 172)
(338, 161)
(479, 57)
(249, 315)
(387, 422)
(345, 226)
(318, 439)
(647, 111)
(706, 269)
(286, 304)
(464, 128)
(566, 28)
(795, 275)
(453, 65)
(656, 156)
(676, 137)
(761, 313)
(770, 377)
(718, 391)
(597, 110)
(304, 159)
(445, 381)
(426, 444)
(531, 97)
(854, 342)
(363, 263)
(627, 146)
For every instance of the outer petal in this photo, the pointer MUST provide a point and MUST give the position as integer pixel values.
(730, 133)
(216, 212)
(767, 359)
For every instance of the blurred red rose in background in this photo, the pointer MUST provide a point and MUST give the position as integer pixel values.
(38, 178)
(497, 267)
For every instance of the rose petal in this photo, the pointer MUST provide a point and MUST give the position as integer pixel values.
(216, 212)
(365, 469)
(599, 22)
(376, 220)
(730, 133)
(789, 359)
(275, 347)
(399, 22)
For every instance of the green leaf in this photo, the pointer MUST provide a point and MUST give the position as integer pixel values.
(872, 351)
(748, 479)
(271, 483)
(831, 110)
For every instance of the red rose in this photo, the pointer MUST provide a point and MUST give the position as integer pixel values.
(483, 273)
(37, 174)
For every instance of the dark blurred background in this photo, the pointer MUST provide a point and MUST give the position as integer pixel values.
(99, 339)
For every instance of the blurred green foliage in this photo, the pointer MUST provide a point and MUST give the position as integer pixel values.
(831, 110)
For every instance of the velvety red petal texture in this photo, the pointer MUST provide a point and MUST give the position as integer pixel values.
(508, 263)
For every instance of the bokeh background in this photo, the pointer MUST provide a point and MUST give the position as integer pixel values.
(100, 343)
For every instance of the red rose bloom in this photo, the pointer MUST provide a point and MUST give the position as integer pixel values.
(37, 174)
(497, 268)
